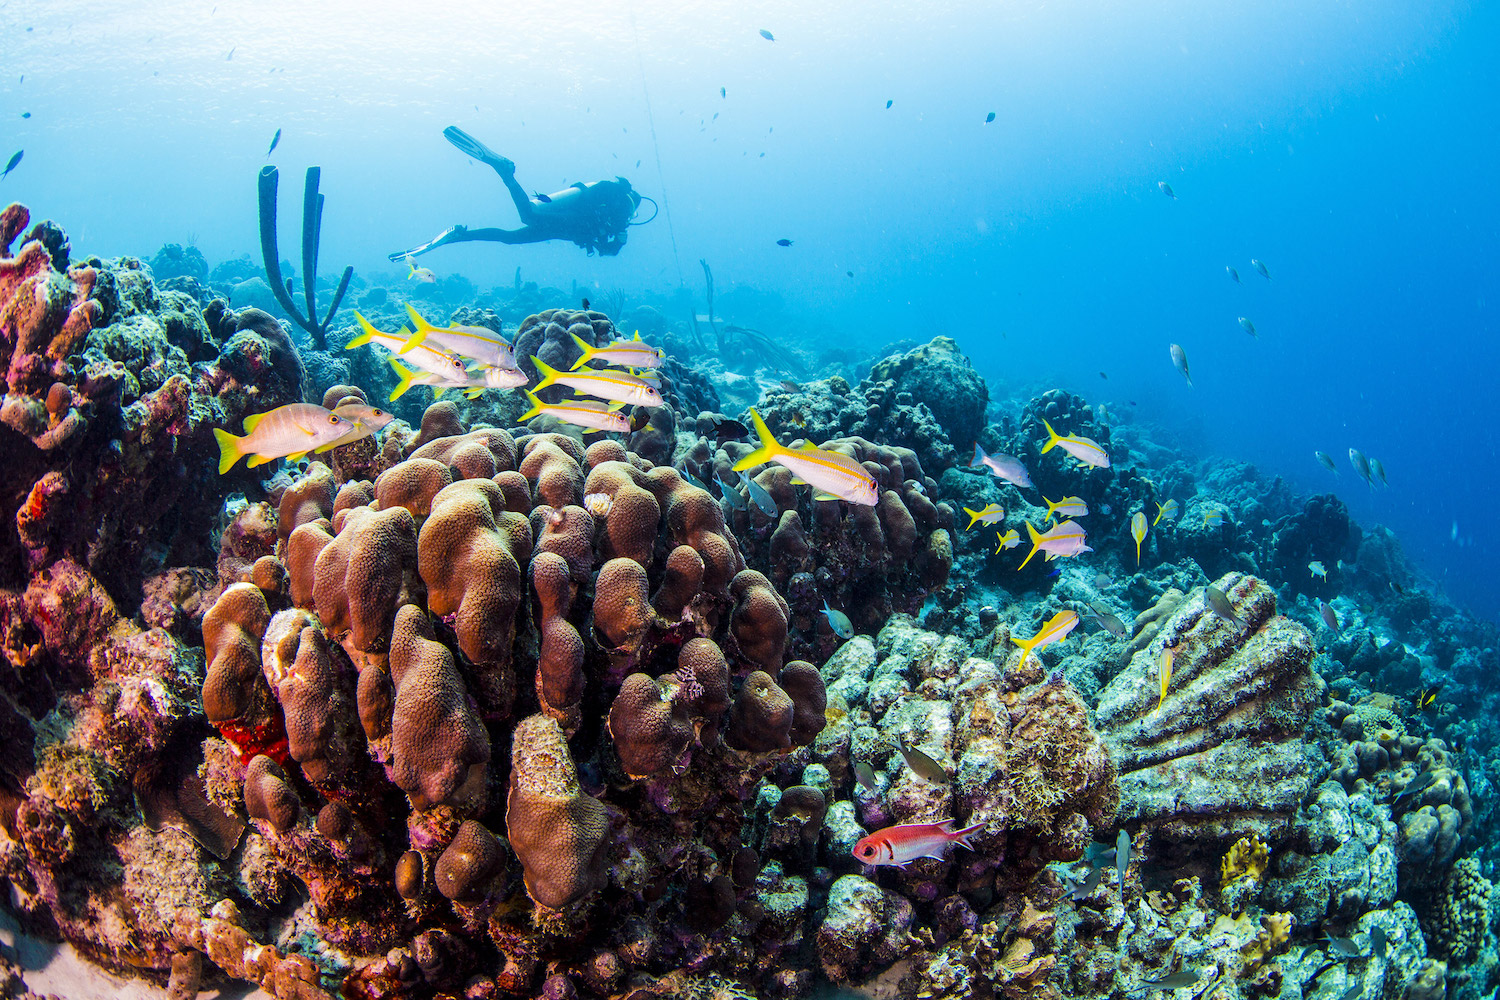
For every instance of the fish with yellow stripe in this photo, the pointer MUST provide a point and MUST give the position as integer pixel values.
(617, 387)
(1138, 532)
(833, 476)
(294, 429)
(1067, 506)
(489, 377)
(366, 419)
(588, 413)
(1086, 450)
(1056, 629)
(441, 365)
(985, 515)
(1066, 539)
(477, 342)
(1007, 540)
(625, 353)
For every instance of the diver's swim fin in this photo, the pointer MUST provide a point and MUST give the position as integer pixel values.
(453, 234)
(471, 146)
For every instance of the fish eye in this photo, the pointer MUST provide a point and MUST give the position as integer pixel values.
(333, 418)
(377, 413)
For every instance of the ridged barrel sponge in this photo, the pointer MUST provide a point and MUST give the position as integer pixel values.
(470, 554)
(1224, 757)
(440, 751)
(236, 697)
(558, 832)
(362, 576)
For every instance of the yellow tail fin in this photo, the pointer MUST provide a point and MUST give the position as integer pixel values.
(536, 407)
(549, 374)
(229, 449)
(420, 325)
(589, 350)
(1035, 538)
(405, 374)
(365, 337)
(974, 515)
(1052, 437)
(768, 447)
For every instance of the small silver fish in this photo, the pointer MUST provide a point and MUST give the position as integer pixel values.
(1086, 888)
(1233, 274)
(1176, 981)
(1122, 857)
(1330, 616)
(1361, 465)
(865, 775)
(838, 621)
(1326, 461)
(922, 765)
(1342, 946)
(1378, 471)
(1248, 326)
(731, 496)
(1219, 603)
(759, 496)
(1260, 268)
(1180, 362)
(1107, 621)
(1166, 189)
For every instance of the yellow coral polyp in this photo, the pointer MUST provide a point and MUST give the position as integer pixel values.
(1248, 858)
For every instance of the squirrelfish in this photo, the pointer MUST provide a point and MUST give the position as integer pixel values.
(838, 621)
(477, 342)
(625, 353)
(986, 515)
(1166, 510)
(1086, 450)
(294, 429)
(832, 475)
(1056, 630)
(901, 845)
(1164, 669)
(1008, 540)
(1138, 532)
(611, 385)
(1006, 467)
(1066, 539)
(1067, 506)
(579, 412)
(1180, 362)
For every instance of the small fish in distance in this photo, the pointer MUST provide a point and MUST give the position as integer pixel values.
(1326, 461)
(888, 105)
(274, 140)
(767, 35)
(1166, 512)
(1218, 603)
(1233, 274)
(989, 514)
(989, 117)
(1006, 467)
(1248, 326)
(837, 620)
(1180, 362)
(1064, 540)
(1138, 532)
(1260, 268)
(1055, 630)
(783, 243)
(1166, 189)
(14, 160)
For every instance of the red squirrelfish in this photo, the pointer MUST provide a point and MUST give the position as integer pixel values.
(901, 845)
(1066, 539)
(1086, 450)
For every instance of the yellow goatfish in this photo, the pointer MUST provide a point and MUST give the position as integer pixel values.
(1086, 450)
(832, 476)
(986, 515)
(1056, 629)
(614, 386)
(477, 342)
(1066, 539)
(294, 429)
(440, 365)
(1166, 510)
(1008, 540)
(1138, 532)
(1164, 668)
(579, 412)
(1067, 506)
(626, 353)
(420, 273)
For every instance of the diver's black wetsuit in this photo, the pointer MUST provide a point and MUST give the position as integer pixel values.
(595, 216)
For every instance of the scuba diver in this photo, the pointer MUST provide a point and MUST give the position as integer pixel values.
(595, 216)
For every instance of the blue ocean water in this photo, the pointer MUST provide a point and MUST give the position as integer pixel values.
(1350, 147)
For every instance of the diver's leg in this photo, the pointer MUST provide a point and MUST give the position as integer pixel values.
(524, 208)
(453, 235)
(526, 234)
